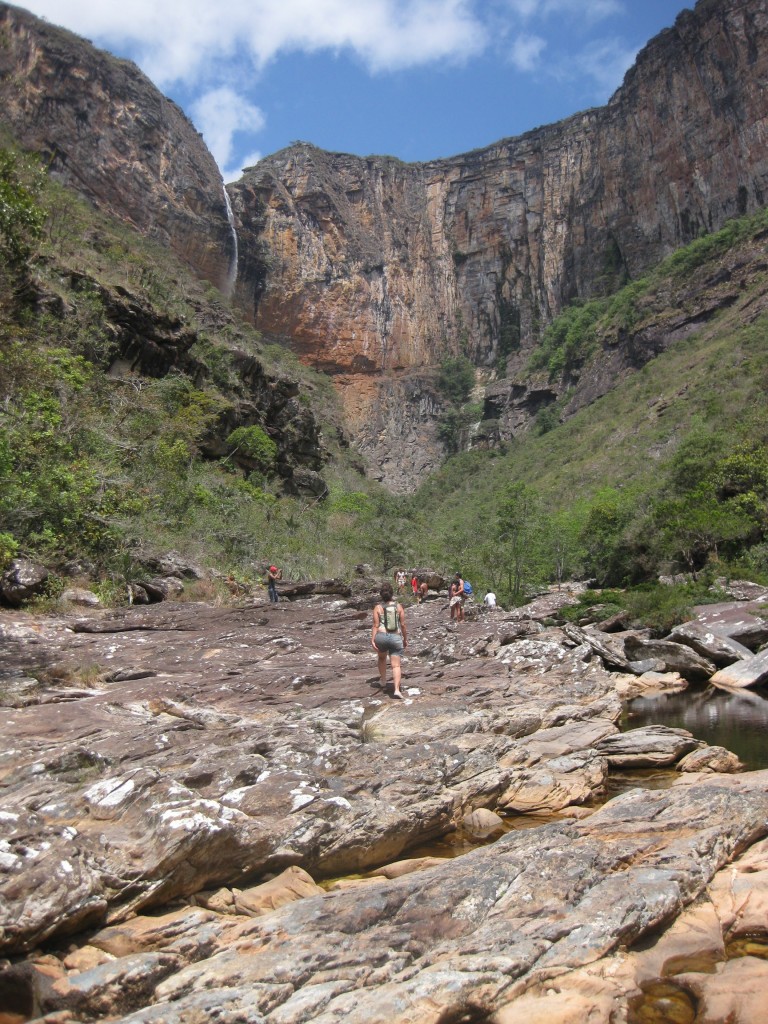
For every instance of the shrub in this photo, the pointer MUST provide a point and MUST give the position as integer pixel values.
(8, 549)
(255, 444)
(456, 379)
(21, 215)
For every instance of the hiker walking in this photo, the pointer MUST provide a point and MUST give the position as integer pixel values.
(456, 598)
(273, 575)
(389, 636)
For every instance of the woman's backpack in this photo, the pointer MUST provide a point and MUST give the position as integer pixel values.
(390, 618)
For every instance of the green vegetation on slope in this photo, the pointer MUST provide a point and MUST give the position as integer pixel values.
(667, 473)
(104, 469)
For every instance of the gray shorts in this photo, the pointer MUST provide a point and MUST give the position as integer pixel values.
(389, 643)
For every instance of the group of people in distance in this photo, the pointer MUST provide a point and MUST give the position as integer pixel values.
(389, 632)
(419, 586)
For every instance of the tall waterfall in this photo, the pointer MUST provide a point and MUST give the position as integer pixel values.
(232, 272)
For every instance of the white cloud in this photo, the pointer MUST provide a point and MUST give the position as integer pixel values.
(220, 114)
(606, 62)
(216, 52)
(526, 51)
(179, 40)
(586, 10)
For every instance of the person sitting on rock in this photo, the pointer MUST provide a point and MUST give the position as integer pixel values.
(389, 636)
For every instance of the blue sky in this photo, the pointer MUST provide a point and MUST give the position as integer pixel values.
(415, 79)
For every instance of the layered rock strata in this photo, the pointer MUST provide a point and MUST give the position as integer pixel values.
(375, 270)
(376, 267)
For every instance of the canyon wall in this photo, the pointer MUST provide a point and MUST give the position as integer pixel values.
(374, 270)
(106, 131)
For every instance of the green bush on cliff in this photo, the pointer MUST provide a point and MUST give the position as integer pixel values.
(21, 214)
(569, 340)
(456, 379)
(255, 444)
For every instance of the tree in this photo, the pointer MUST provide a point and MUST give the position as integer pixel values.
(603, 535)
(516, 562)
(456, 379)
(695, 526)
(564, 545)
(254, 444)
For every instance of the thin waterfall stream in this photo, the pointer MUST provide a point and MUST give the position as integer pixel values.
(232, 272)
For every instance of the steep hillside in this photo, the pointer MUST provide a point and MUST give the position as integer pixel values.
(138, 414)
(375, 271)
(666, 472)
(106, 131)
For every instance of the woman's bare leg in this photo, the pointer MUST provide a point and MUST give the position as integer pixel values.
(382, 660)
(395, 662)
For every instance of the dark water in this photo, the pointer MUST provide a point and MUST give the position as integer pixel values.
(736, 720)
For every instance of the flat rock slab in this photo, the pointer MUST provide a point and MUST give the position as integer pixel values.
(460, 936)
(177, 754)
(743, 621)
(212, 747)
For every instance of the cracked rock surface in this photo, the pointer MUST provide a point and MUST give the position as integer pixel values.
(176, 780)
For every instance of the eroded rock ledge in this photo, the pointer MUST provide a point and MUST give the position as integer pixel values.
(179, 754)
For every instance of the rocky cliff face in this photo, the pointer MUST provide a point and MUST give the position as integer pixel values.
(375, 269)
(107, 131)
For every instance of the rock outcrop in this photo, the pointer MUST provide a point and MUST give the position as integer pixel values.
(374, 270)
(176, 780)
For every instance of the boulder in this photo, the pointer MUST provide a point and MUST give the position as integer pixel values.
(611, 657)
(630, 686)
(647, 747)
(22, 581)
(742, 621)
(674, 657)
(751, 672)
(173, 564)
(79, 596)
(482, 822)
(162, 588)
(742, 590)
(292, 884)
(710, 759)
(715, 647)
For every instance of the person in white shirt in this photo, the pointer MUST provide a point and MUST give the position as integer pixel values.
(490, 600)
